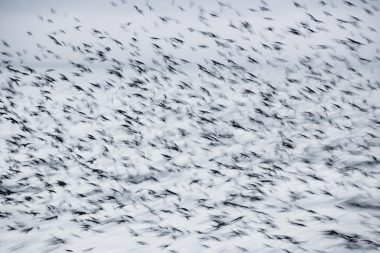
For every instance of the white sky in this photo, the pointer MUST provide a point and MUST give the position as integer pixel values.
(19, 16)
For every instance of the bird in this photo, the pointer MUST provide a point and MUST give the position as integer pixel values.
(224, 126)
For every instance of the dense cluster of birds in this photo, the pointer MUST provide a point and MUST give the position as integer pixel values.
(193, 127)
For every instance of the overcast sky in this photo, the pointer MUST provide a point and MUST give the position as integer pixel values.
(121, 20)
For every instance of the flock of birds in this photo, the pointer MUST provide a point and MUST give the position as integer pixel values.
(193, 127)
